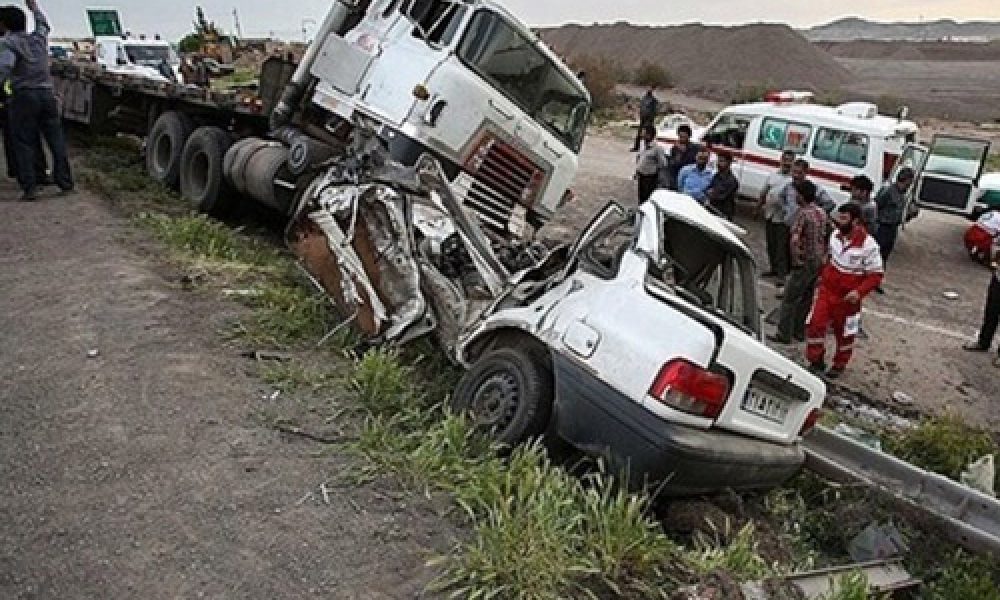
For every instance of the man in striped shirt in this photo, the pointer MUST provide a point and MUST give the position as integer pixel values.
(853, 270)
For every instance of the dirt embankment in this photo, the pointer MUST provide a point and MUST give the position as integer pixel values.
(698, 56)
(899, 50)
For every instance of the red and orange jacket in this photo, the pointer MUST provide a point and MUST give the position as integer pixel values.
(855, 263)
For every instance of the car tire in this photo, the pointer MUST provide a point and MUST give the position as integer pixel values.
(202, 181)
(165, 147)
(507, 393)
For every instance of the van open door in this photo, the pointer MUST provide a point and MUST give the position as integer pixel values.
(913, 156)
(950, 176)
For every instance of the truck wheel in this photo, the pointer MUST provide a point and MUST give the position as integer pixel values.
(507, 393)
(166, 144)
(202, 180)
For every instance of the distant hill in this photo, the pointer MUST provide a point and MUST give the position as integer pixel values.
(853, 28)
(906, 50)
(704, 57)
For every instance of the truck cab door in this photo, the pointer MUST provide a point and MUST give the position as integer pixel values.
(950, 176)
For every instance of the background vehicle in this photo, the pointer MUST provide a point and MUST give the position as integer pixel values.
(950, 175)
(839, 142)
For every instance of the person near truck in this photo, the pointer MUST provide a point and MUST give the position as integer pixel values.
(724, 187)
(648, 107)
(41, 164)
(991, 317)
(861, 194)
(790, 202)
(891, 202)
(775, 230)
(24, 60)
(682, 154)
(808, 251)
(694, 180)
(852, 270)
(982, 235)
(650, 165)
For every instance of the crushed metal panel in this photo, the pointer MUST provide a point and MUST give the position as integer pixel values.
(884, 577)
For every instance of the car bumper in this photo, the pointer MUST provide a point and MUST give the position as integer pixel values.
(676, 459)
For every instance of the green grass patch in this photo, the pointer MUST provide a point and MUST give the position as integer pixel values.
(944, 445)
(965, 577)
(993, 162)
(293, 376)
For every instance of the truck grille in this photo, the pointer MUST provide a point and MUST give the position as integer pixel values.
(501, 179)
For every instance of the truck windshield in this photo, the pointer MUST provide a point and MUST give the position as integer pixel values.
(149, 56)
(513, 64)
(710, 272)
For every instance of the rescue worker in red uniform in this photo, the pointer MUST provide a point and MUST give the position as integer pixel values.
(979, 238)
(852, 270)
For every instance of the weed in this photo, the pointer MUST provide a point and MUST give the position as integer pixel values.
(295, 377)
(383, 384)
(199, 237)
(993, 162)
(284, 314)
(944, 445)
(738, 557)
(964, 577)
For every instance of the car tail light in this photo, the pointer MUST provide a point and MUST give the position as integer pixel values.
(811, 421)
(689, 388)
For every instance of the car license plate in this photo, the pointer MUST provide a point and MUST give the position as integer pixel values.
(765, 404)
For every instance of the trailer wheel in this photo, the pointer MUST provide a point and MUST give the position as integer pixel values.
(202, 180)
(165, 146)
(507, 393)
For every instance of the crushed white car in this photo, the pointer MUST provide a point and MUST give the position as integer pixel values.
(639, 345)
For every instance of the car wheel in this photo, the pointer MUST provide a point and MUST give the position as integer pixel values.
(202, 181)
(165, 146)
(507, 393)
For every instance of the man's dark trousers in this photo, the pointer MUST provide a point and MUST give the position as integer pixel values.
(991, 318)
(798, 300)
(778, 239)
(34, 112)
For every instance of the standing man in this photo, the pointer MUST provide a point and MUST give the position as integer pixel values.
(10, 157)
(724, 187)
(682, 154)
(694, 180)
(991, 319)
(853, 270)
(891, 202)
(790, 202)
(981, 236)
(24, 60)
(651, 164)
(775, 229)
(808, 251)
(648, 107)
(861, 194)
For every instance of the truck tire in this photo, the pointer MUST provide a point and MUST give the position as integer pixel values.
(267, 163)
(166, 144)
(201, 177)
(508, 394)
(236, 154)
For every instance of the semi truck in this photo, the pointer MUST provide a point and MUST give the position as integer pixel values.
(463, 81)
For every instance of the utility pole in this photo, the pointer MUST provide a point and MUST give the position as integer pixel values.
(236, 19)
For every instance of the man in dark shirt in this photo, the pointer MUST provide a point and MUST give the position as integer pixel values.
(891, 203)
(41, 165)
(648, 107)
(722, 192)
(24, 60)
(682, 154)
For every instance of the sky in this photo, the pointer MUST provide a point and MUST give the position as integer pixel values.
(285, 19)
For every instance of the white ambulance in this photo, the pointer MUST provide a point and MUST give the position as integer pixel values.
(840, 142)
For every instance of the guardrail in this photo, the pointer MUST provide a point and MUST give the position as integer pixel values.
(968, 517)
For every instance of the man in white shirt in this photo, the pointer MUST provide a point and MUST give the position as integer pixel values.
(776, 231)
(651, 164)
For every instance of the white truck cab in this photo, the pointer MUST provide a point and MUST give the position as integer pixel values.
(150, 58)
(840, 142)
(468, 83)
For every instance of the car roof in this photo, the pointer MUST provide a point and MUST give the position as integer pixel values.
(825, 115)
(685, 208)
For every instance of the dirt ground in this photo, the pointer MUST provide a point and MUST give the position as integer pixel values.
(142, 471)
(915, 332)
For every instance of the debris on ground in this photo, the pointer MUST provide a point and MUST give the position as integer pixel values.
(981, 475)
(877, 542)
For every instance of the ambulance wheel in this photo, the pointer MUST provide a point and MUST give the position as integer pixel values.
(507, 394)
(202, 180)
(165, 146)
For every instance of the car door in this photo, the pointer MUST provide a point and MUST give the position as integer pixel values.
(950, 176)
(913, 156)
